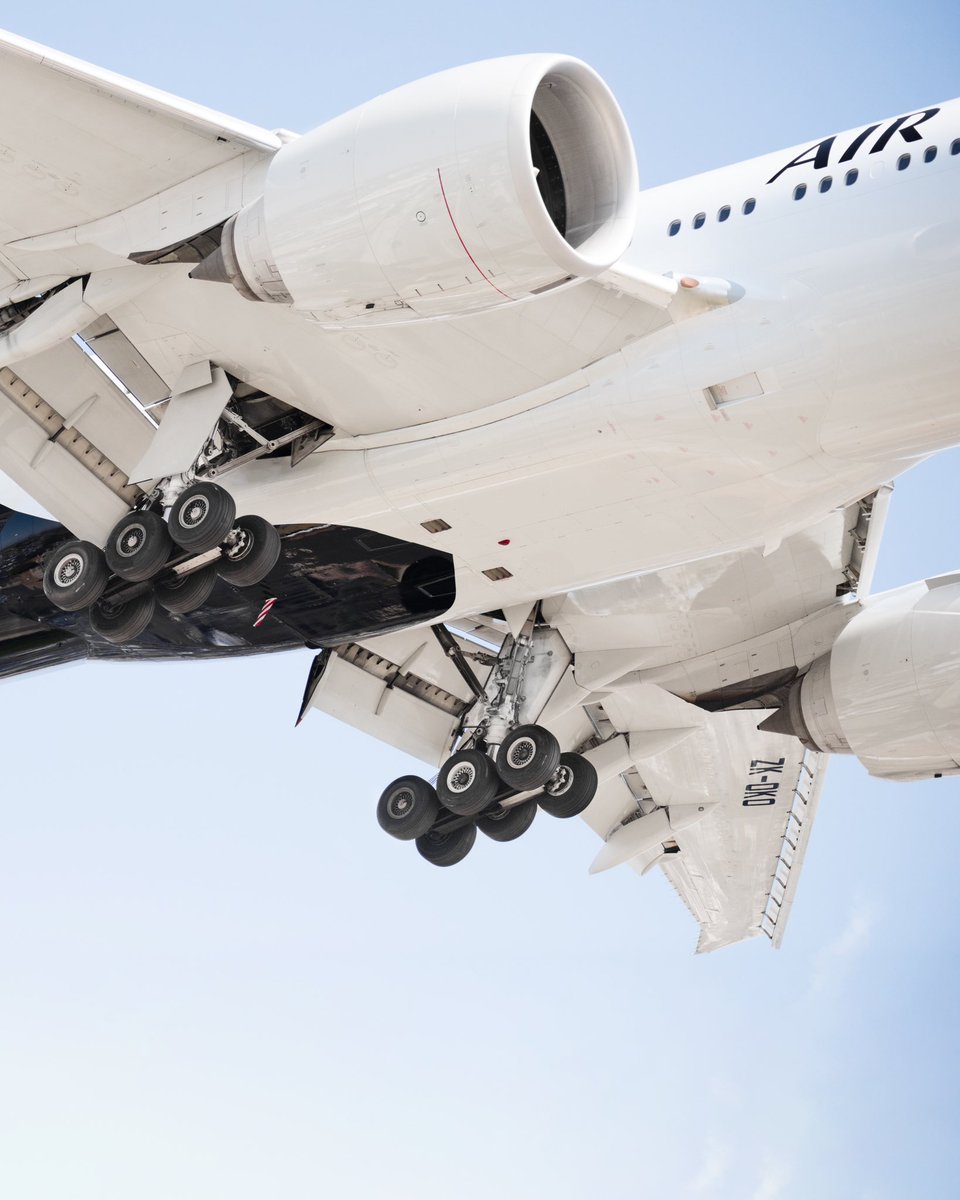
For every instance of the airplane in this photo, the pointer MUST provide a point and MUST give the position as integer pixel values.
(576, 489)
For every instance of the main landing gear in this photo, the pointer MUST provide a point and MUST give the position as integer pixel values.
(500, 797)
(149, 561)
(506, 769)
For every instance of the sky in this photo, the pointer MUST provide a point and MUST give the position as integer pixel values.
(219, 979)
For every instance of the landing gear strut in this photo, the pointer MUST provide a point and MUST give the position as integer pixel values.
(502, 773)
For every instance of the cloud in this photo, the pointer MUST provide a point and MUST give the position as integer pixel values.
(833, 960)
(717, 1160)
(774, 1177)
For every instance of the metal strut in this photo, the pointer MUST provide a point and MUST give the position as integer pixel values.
(458, 658)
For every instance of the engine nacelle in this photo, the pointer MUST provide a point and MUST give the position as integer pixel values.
(889, 690)
(465, 190)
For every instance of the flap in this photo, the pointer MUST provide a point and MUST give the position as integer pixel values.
(737, 869)
(727, 815)
(400, 688)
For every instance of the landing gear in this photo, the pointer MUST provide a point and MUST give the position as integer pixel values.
(408, 808)
(572, 787)
(446, 848)
(138, 546)
(471, 794)
(467, 783)
(123, 620)
(506, 767)
(183, 556)
(507, 824)
(528, 757)
(75, 576)
(184, 593)
(251, 553)
(201, 517)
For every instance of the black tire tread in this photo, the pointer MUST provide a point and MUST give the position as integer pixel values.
(260, 560)
(425, 810)
(581, 792)
(507, 824)
(447, 849)
(124, 622)
(185, 593)
(483, 792)
(152, 555)
(540, 768)
(214, 529)
(93, 581)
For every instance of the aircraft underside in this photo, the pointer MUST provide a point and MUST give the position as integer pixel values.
(576, 489)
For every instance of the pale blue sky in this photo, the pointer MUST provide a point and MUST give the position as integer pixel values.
(220, 980)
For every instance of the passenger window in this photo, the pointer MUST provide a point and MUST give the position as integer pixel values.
(930, 154)
(955, 146)
(674, 228)
(749, 206)
(903, 162)
(826, 183)
(851, 176)
(723, 213)
(698, 220)
(799, 191)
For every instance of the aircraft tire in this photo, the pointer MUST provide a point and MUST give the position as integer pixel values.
(572, 788)
(123, 622)
(507, 824)
(184, 593)
(447, 849)
(202, 517)
(75, 576)
(138, 546)
(253, 556)
(467, 783)
(528, 757)
(408, 808)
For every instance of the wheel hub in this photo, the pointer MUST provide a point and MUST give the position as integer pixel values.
(68, 570)
(461, 777)
(560, 783)
(521, 752)
(400, 803)
(194, 512)
(131, 540)
(241, 547)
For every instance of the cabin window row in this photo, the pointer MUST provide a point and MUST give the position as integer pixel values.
(825, 184)
(853, 174)
(723, 214)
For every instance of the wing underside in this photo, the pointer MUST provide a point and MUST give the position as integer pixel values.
(87, 142)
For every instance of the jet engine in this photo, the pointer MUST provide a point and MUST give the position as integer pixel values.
(459, 192)
(889, 689)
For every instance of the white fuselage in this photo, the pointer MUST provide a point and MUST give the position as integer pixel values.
(843, 345)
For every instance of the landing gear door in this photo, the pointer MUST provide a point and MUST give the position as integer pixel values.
(199, 398)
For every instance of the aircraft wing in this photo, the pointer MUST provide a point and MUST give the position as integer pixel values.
(86, 142)
(99, 172)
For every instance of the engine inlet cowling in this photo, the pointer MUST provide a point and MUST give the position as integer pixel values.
(889, 689)
(465, 190)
